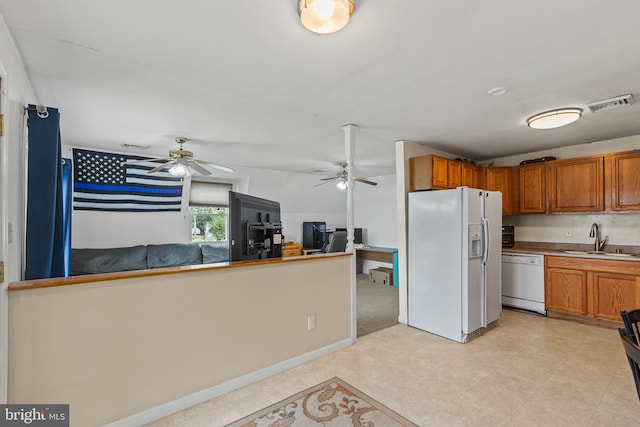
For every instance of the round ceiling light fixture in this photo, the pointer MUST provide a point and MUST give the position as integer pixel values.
(325, 16)
(554, 118)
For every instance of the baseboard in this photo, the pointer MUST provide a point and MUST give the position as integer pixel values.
(190, 400)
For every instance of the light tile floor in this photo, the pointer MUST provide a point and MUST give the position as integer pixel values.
(529, 371)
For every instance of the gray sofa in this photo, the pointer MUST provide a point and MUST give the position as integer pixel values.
(142, 257)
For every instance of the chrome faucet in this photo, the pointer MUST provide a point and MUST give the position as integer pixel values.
(595, 232)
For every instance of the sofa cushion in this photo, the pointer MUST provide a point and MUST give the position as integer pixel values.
(173, 254)
(214, 253)
(91, 261)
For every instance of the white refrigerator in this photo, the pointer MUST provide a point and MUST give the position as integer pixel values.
(454, 262)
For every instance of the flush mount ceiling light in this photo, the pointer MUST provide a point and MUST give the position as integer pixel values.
(554, 119)
(325, 16)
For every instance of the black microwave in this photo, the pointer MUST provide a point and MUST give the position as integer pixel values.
(508, 236)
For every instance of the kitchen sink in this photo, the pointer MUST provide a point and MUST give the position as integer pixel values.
(615, 254)
(612, 254)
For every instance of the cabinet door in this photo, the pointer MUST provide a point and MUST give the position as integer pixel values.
(454, 175)
(427, 173)
(614, 292)
(499, 179)
(566, 290)
(470, 175)
(440, 167)
(576, 185)
(533, 188)
(624, 173)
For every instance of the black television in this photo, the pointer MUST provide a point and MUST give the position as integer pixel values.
(255, 229)
(314, 234)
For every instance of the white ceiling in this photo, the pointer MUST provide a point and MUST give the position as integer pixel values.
(252, 87)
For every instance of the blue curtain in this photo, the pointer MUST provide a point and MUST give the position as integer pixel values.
(67, 194)
(48, 231)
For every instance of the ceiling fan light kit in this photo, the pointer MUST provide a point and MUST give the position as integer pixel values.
(343, 179)
(178, 170)
(554, 118)
(325, 16)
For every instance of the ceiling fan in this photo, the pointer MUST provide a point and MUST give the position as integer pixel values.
(342, 178)
(181, 161)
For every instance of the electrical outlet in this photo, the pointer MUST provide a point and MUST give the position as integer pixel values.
(311, 322)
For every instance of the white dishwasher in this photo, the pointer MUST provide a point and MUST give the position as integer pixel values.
(523, 281)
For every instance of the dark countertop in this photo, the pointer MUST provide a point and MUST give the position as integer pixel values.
(575, 250)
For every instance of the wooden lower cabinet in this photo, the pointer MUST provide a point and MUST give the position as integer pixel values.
(567, 290)
(591, 288)
(612, 293)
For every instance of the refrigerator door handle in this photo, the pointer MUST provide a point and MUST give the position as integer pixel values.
(485, 240)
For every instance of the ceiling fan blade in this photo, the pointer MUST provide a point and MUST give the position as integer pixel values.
(199, 169)
(365, 181)
(329, 179)
(162, 166)
(131, 162)
(213, 165)
(323, 183)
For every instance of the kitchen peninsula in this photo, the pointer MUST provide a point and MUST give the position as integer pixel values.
(139, 345)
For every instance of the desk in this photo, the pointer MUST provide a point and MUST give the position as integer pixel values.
(380, 254)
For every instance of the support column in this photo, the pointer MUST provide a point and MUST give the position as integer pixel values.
(350, 153)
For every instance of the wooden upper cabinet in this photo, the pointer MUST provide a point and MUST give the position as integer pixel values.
(502, 179)
(470, 175)
(454, 175)
(576, 185)
(623, 181)
(533, 188)
(439, 172)
(428, 173)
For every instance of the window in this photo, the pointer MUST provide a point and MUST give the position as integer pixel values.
(209, 224)
(208, 205)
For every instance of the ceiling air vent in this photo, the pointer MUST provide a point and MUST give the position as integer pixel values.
(134, 147)
(609, 104)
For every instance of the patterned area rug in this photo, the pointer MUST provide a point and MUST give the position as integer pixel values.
(332, 403)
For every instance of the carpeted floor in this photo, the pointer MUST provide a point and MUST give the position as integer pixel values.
(377, 305)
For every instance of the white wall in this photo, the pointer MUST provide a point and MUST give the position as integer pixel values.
(17, 93)
(375, 212)
(622, 229)
(299, 201)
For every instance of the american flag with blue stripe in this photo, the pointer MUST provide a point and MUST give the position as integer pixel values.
(102, 183)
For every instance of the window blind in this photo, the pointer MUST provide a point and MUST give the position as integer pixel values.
(209, 194)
